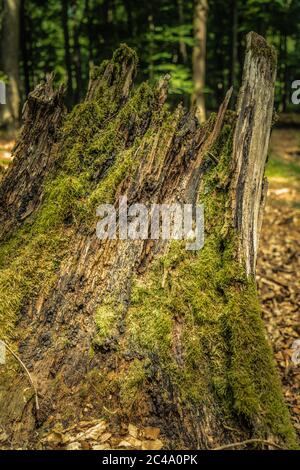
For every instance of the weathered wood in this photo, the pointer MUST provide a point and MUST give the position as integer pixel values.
(124, 81)
(156, 335)
(34, 155)
(251, 141)
(199, 58)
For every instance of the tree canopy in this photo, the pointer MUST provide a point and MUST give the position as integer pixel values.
(66, 36)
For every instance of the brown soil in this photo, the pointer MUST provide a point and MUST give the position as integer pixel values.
(279, 265)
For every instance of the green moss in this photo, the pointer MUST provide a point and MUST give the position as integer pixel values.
(261, 49)
(107, 318)
(252, 375)
(61, 204)
(202, 325)
(91, 161)
(24, 273)
(99, 153)
(279, 168)
(132, 382)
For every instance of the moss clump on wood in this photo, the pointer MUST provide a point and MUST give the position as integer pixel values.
(107, 319)
(132, 383)
(30, 259)
(204, 327)
(193, 320)
(261, 49)
(25, 271)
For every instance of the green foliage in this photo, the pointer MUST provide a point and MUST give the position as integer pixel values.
(3, 77)
(106, 319)
(25, 269)
(161, 31)
(279, 168)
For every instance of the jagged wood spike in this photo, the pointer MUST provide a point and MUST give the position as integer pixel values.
(251, 141)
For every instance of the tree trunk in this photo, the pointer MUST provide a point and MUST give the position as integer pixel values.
(182, 45)
(24, 42)
(65, 26)
(129, 7)
(10, 44)
(77, 62)
(234, 44)
(199, 57)
(143, 332)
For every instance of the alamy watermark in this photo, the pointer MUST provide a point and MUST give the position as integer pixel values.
(296, 352)
(296, 93)
(155, 222)
(2, 93)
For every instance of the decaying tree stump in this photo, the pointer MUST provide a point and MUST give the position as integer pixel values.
(21, 190)
(139, 331)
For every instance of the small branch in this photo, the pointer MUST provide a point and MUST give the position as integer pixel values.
(216, 130)
(27, 372)
(219, 120)
(248, 441)
(109, 411)
(211, 155)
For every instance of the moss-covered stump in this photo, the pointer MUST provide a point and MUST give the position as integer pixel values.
(141, 331)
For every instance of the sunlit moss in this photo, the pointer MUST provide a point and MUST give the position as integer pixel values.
(209, 308)
(30, 259)
(193, 317)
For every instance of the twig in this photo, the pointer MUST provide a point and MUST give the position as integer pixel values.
(27, 372)
(109, 411)
(248, 441)
(213, 157)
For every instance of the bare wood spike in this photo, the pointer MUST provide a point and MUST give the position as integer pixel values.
(250, 146)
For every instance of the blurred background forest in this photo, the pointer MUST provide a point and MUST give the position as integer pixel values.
(199, 42)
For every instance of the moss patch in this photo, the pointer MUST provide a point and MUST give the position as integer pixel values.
(200, 328)
(90, 162)
(24, 272)
(203, 324)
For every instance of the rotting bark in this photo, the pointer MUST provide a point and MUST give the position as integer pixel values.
(251, 140)
(199, 58)
(145, 331)
(9, 59)
(34, 155)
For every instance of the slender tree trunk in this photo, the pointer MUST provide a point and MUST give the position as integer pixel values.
(106, 11)
(128, 7)
(234, 45)
(182, 45)
(78, 63)
(31, 53)
(90, 30)
(199, 57)
(24, 42)
(151, 45)
(10, 48)
(219, 57)
(68, 59)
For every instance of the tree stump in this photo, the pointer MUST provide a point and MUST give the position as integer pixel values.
(140, 331)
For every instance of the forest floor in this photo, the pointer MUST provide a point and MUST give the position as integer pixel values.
(6, 145)
(278, 263)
